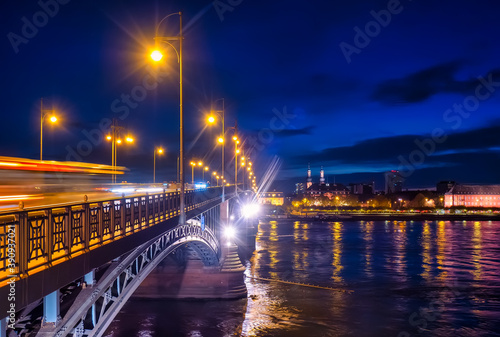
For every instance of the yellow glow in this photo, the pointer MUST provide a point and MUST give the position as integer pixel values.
(214, 173)
(211, 119)
(250, 163)
(192, 164)
(129, 139)
(237, 142)
(156, 55)
(220, 140)
(242, 163)
(224, 180)
(53, 119)
(200, 163)
(118, 141)
(160, 151)
(108, 137)
(242, 158)
(217, 177)
(248, 169)
(235, 138)
(206, 168)
(237, 151)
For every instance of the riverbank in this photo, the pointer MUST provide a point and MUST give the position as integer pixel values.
(395, 217)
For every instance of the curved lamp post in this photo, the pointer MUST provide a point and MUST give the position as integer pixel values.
(157, 56)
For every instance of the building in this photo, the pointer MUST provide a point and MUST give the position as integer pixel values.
(362, 188)
(393, 182)
(299, 188)
(271, 198)
(323, 189)
(473, 196)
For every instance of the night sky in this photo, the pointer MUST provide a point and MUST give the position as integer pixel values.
(359, 87)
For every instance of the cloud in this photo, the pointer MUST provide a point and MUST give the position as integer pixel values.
(384, 152)
(422, 85)
(296, 132)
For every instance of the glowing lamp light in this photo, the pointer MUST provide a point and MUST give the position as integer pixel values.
(108, 137)
(53, 119)
(129, 139)
(229, 232)
(200, 163)
(118, 141)
(235, 138)
(160, 151)
(250, 210)
(211, 119)
(156, 55)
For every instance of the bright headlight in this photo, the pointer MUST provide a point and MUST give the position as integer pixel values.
(250, 210)
(229, 232)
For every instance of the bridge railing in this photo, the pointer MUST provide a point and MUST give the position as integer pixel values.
(34, 239)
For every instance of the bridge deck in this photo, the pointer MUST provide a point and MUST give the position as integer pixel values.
(43, 249)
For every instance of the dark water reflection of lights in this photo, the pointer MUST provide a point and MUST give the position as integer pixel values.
(407, 279)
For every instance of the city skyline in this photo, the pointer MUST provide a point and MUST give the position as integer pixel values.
(357, 88)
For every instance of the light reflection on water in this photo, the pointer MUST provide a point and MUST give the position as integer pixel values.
(407, 279)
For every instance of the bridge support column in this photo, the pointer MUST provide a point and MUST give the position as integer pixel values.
(3, 327)
(51, 308)
(89, 278)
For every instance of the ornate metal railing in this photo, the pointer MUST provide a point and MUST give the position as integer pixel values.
(34, 239)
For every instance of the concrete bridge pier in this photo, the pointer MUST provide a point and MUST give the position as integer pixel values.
(3, 327)
(51, 308)
(192, 279)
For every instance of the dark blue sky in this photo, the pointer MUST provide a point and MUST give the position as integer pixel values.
(359, 87)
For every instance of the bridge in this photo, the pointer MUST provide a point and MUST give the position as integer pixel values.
(80, 262)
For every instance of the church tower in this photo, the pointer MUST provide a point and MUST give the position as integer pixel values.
(322, 176)
(309, 178)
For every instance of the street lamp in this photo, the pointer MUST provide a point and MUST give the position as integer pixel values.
(205, 169)
(157, 56)
(115, 139)
(193, 164)
(52, 119)
(160, 151)
(220, 140)
(236, 152)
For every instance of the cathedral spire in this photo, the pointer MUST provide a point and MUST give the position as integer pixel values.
(309, 178)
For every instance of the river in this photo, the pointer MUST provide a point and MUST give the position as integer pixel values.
(381, 278)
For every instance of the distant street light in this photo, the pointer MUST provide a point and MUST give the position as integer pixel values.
(43, 114)
(205, 169)
(115, 139)
(159, 151)
(220, 140)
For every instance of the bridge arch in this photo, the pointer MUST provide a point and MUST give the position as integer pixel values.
(96, 307)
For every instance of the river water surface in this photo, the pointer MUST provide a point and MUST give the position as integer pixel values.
(382, 278)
